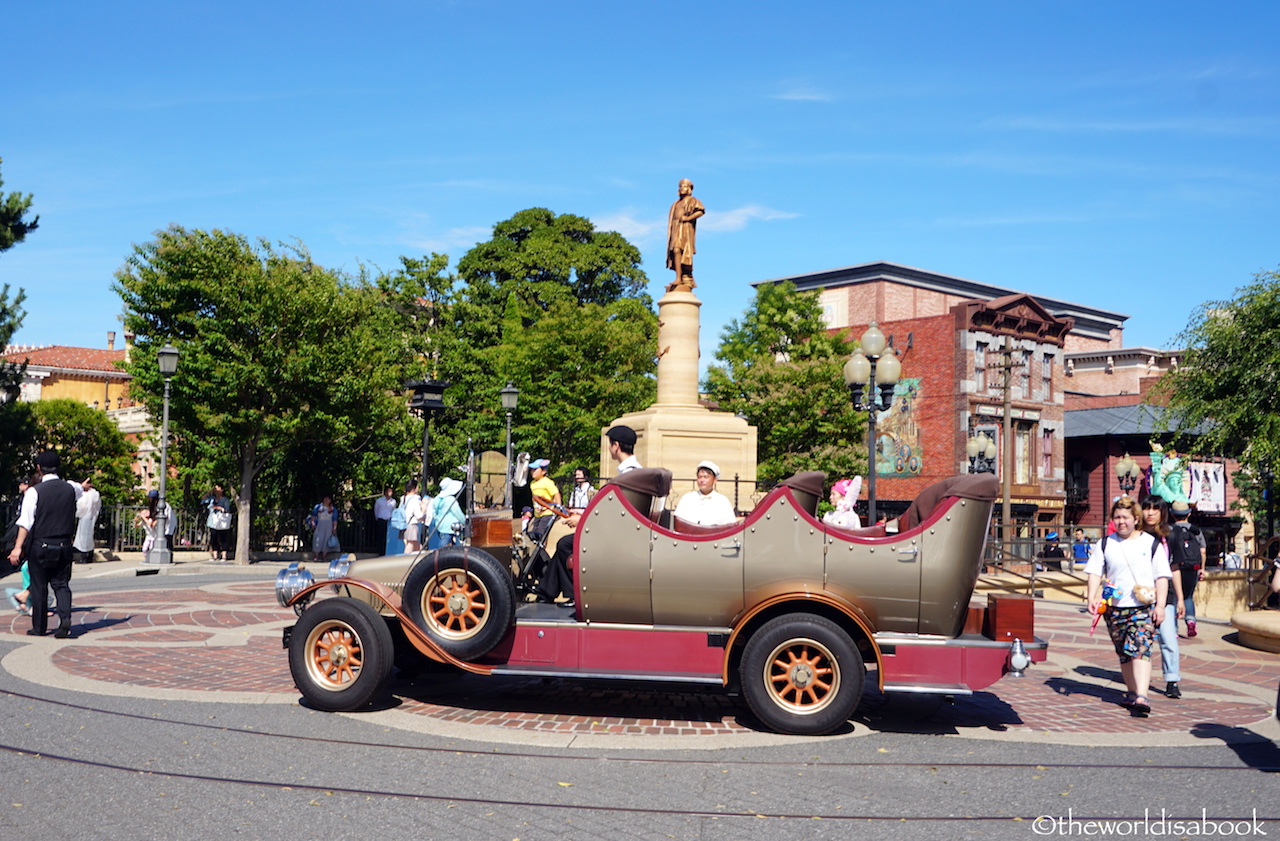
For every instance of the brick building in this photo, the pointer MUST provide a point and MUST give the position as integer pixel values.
(1108, 417)
(956, 338)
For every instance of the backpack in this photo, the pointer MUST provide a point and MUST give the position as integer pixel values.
(1184, 547)
(398, 520)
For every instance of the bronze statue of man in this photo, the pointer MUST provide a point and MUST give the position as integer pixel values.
(682, 229)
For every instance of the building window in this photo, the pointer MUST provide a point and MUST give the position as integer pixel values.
(1024, 455)
(1046, 453)
(980, 367)
(1024, 375)
(1046, 373)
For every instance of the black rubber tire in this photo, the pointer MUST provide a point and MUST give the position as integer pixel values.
(801, 674)
(340, 655)
(462, 598)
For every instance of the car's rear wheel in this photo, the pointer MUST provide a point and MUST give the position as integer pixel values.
(802, 675)
(463, 598)
(340, 655)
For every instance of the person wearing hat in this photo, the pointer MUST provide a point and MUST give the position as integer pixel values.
(46, 526)
(1186, 558)
(705, 506)
(1052, 555)
(446, 517)
(622, 447)
(545, 492)
(844, 494)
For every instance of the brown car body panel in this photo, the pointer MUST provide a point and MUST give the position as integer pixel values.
(630, 571)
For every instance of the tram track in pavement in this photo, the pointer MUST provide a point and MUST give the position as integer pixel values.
(579, 756)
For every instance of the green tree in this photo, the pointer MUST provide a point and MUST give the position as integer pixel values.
(13, 226)
(1225, 389)
(89, 444)
(17, 424)
(544, 258)
(277, 352)
(782, 369)
(558, 309)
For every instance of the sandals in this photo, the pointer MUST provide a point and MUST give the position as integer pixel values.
(1141, 707)
(1128, 699)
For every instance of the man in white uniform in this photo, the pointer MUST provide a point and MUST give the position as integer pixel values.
(88, 507)
(706, 506)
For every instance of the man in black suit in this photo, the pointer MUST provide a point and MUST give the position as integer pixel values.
(46, 527)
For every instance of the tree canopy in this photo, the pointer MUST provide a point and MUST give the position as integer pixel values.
(276, 353)
(17, 424)
(1227, 383)
(556, 308)
(781, 368)
(14, 226)
(89, 444)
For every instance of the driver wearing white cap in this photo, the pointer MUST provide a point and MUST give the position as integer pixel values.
(706, 506)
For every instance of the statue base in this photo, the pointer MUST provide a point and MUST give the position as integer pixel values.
(678, 437)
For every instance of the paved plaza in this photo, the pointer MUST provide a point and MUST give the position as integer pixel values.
(219, 641)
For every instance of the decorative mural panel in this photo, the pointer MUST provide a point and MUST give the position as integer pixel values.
(899, 450)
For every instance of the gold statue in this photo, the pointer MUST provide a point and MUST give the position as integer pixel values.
(682, 230)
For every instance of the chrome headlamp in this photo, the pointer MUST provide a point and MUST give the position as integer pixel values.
(339, 567)
(291, 581)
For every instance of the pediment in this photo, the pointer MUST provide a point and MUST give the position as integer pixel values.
(1017, 315)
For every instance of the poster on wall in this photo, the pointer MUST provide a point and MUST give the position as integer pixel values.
(1206, 487)
(898, 448)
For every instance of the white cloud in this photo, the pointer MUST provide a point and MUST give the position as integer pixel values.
(739, 217)
(1202, 125)
(627, 223)
(451, 240)
(803, 94)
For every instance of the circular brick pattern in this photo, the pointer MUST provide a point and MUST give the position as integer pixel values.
(225, 638)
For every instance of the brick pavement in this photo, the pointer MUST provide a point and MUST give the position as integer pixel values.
(221, 642)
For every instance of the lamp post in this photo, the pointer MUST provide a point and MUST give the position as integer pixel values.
(982, 453)
(872, 373)
(510, 397)
(1128, 472)
(428, 397)
(160, 552)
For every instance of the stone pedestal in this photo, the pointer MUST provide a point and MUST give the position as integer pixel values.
(677, 432)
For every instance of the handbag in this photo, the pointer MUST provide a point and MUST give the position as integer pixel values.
(333, 545)
(219, 520)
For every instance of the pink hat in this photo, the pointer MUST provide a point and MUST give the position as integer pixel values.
(842, 487)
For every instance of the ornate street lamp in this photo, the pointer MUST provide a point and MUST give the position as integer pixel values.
(167, 358)
(1128, 472)
(510, 397)
(982, 451)
(428, 397)
(872, 373)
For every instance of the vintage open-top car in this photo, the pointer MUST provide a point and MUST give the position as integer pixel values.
(780, 606)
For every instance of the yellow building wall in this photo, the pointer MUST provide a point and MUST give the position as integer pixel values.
(107, 394)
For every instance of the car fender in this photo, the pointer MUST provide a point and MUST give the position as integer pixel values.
(391, 599)
(814, 602)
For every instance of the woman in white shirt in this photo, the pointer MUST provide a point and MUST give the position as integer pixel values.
(412, 505)
(1134, 566)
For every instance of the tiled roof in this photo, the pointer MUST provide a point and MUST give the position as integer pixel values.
(69, 358)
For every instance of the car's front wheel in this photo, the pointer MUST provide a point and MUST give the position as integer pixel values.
(340, 655)
(802, 675)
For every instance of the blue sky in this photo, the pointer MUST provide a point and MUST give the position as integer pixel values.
(1118, 155)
